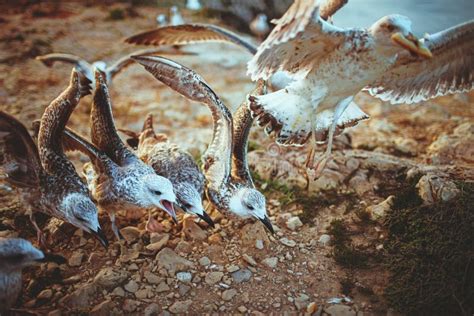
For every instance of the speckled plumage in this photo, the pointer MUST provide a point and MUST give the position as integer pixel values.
(15, 254)
(46, 178)
(117, 178)
(230, 191)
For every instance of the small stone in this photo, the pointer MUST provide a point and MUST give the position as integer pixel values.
(152, 310)
(340, 310)
(252, 232)
(184, 277)
(301, 302)
(45, 294)
(215, 239)
(152, 278)
(183, 247)
(133, 267)
(108, 278)
(102, 309)
(294, 223)
(227, 295)
(172, 262)
(204, 261)
(76, 259)
(142, 294)
(158, 243)
(131, 286)
(378, 211)
(183, 289)
(130, 233)
(249, 259)
(233, 268)
(242, 309)
(242, 275)
(271, 262)
(213, 277)
(130, 305)
(288, 242)
(118, 291)
(324, 240)
(162, 287)
(192, 230)
(432, 189)
(259, 244)
(80, 298)
(311, 308)
(180, 307)
(56, 312)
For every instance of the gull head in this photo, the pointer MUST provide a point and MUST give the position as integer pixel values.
(190, 200)
(16, 253)
(393, 34)
(248, 202)
(157, 191)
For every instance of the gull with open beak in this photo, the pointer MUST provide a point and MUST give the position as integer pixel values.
(229, 184)
(117, 178)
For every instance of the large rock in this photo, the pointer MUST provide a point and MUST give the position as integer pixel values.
(180, 307)
(80, 298)
(340, 310)
(432, 189)
(252, 232)
(108, 278)
(172, 262)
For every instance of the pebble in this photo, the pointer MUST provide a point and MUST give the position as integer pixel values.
(152, 278)
(378, 211)
(130, 305)
(227, 295)
(102, 309)
(131, 286)
(288, 242)
(183, 289)
(259, 244)
(118, 291)
(171, 261)
(233, 268)
(158, 242)
(130, 233)
(340, 309)
(45, 294)
(242, 275)
(294, 223)
(249, 259)
(76, 259)
(152, 310)
(301, 302)
(324, 240)
(184, 277)
(162, 287)
(311, 308)
(270, 262)
(213, 277)
(242, 309)
(204, 261)
(192, 230)
(180, 307)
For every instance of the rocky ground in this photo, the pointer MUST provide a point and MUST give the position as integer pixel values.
(328, 255)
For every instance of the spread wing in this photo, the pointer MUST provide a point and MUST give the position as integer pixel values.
(103, 132)
(126, 61)
(19, 159)
(242, 123)
(217, 159)
(298, 42)
(189, 34)
(82, 65)
(53, 123)
(330, 7)
(451, 70)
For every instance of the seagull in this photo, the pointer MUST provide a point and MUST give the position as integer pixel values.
(259, 26)
(175, 16)
(87, 69)
(161, 20)
(329, 65)
(117, 178)
(15, 254)
(193, 5)
(47, 180)
(229, 184)
(173, 163)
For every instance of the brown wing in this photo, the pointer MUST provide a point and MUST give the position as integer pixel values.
(103, 132)
(189, 34)
(20, 162)
(217, 159)
(242, 123)
(53, 123)
(451, 69)
(330, 7)
(298, 42)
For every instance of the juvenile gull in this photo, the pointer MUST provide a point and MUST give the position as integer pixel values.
(47, 180)
(87, 69)
(15, 254)
(117, 178)
(172, 162)
(229, 184)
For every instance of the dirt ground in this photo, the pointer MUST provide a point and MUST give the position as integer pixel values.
(236, 267)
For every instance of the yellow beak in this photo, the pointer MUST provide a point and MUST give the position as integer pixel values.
(413, 44)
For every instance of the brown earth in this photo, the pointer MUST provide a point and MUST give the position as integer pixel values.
(293, 268)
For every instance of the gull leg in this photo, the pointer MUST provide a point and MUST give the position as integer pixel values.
(39, 234)
(321, 163)
(115, 229)
(312, 152)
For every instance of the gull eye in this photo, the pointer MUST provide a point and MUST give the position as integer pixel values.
(250, 207)
(81, 219)
(156, 192)
(390, 28)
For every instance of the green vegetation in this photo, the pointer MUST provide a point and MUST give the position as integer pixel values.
(430, 254)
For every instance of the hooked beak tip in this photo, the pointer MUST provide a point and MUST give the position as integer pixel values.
(268, 224)
(99, 234)
(205, 217)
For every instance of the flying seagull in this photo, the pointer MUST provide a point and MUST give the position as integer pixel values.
(329, 65)
(229, 184)
(87, 69)
(47, 179)
(172, 162)
(117, 178)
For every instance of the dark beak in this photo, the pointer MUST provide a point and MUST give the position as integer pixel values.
(205, 217)
(99, 234)
(268, 224)
(50, 257)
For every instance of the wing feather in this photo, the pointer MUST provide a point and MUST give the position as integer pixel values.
(451, 70)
